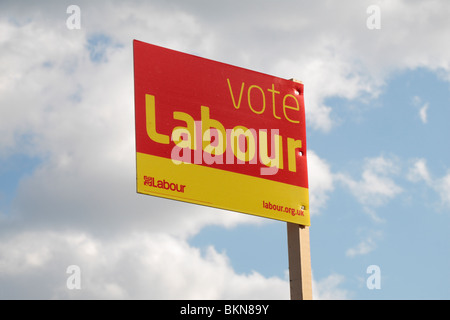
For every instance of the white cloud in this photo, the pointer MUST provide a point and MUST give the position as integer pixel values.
(423, 108)
(376, 186)
(423, 113)
(77, 115)
(134, 266)
(33, 265)
(419, 171)
(320, 182)
(366, 245)
(328, 288)
(443, 188)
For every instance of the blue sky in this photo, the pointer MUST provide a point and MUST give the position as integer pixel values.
(377, 107)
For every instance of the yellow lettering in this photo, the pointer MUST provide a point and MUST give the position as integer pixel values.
(219, 147)
(151, 121)
(188, 131)
(208, 123)
(263, 99)
(214, 154)
(273, 100)
(297, 107)
(276, 158)
(292, 154)
(238, 105)
(237, 145)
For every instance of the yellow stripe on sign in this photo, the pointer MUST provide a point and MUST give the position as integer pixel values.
(222, 189)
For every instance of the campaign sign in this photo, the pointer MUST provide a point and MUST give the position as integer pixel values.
(218, 135)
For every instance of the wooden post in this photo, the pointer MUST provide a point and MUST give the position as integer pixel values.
(300, 277)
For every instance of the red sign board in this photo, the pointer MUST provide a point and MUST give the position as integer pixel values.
(215, 134)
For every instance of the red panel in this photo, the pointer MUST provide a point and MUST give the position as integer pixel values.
(184, 83)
